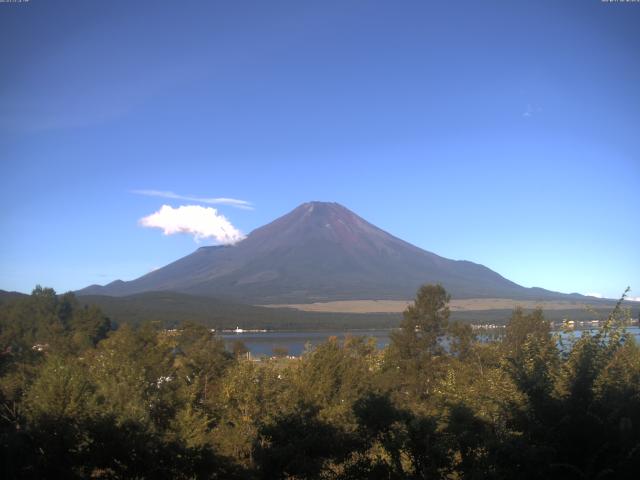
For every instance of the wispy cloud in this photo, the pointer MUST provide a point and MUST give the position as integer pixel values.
(531, 110)
(201, 222)
(232, 202)
(593, 294)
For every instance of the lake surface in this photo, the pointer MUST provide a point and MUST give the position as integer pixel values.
(295, 343)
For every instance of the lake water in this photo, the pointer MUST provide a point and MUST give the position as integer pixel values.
(264, 343)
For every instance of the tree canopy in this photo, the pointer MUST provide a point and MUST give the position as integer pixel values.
(80, 398)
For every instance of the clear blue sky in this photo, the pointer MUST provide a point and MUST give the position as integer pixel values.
(502, 132)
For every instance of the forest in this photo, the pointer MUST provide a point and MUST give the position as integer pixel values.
(80, 398)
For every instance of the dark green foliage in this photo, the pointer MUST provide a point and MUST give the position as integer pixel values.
(49, 320)
(333, 376)
(416, 354)
(424, 324)
(80, 400)
(239, 348)
(75, 404)
(100, 447)
(298, 444)
(171, 309)
(532, 356)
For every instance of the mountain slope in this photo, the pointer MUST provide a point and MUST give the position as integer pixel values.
(319, 252)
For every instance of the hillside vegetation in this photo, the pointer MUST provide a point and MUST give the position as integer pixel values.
(82, 399)
(170, 309)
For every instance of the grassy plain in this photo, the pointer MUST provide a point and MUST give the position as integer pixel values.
(462, 305)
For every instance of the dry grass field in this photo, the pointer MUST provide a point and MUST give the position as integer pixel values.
(396, 306)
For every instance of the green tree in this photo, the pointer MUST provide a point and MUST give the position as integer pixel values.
(58, 404)
(333, 376)
(416, 359)
(89, 325)
(239, 348)
(299, 444)
(249, 395)
(203, 360)
(132, 371)
(424, 323)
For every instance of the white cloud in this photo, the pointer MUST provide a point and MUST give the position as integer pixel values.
(233, 202)
(597, 295)
(633, 299)
(201, 222)
(531, 110)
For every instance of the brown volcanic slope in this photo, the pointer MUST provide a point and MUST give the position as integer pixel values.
(321, 252)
